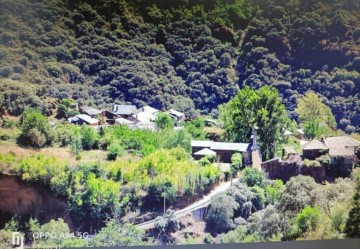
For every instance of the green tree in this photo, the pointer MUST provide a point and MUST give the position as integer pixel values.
(164, 121)
(196, 128)
(313, 128)
(89, 137)
(60, 234)
(262, 109)
(164, 225)
(272, 192)
(307, 219)
(76, 140)
(62, 111)
(236, 164)
(35, 128)
(352, 228)
(114, 150)
(311, 108)
(253, 177)
(102, 194)
(221, 212)
(117, 234)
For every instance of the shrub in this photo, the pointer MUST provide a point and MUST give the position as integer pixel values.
(114, 150)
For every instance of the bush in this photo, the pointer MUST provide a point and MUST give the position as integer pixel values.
(253, 177)
(5, 71)
(114, 150)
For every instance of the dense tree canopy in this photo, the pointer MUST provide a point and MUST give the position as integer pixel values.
(192, 57)
(261, 109)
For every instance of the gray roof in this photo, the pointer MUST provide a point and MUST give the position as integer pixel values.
(90, 111)
(205, 152)
(124, 109)
(242, 147)
(147, 109)
(340, 151)
(201, 143)
(314, 145)
(176, 113)
(86, 118)
(341, 141)
(123, 121)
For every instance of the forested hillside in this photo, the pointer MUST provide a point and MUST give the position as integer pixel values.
(186, 54)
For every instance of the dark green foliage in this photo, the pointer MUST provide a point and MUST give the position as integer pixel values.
(313, 129)
(196, 128)
(114, 150)
(35, 129)
(307, 219)
(244, 197)
(117, 234)
(164, 225)
(89, 137)
(164, 121)
(253, 177)
(352, 228)
(297, 194)
(250, 109)
(191, 57)
(221, 212)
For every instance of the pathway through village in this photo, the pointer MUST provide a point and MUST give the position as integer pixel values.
(194, 206)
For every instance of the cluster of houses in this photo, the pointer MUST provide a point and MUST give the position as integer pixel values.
(142, 118)
(341, 150)
(224, 151)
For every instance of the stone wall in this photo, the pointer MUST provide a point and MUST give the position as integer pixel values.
(284, 170)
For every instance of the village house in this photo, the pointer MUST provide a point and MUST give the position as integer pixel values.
(300, 134)
(83, 119)
(176, 115)
(90, 111)
(342, 148)
(146, 114)
(124, 111)
(223, 150)
(314, 149)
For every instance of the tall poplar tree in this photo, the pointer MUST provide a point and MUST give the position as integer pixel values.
(262, 109)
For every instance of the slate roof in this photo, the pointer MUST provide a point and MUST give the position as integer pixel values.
(314, 145)
(230, 146)
(85, 118)
(341, 141)
(124, 109)
(205, 152)
(340, 151)
(123, 121)
(176, 113)
(147, 109)
(90, 111)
